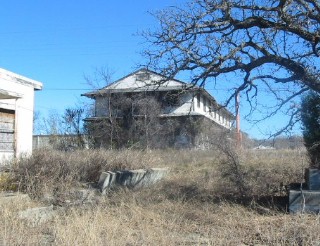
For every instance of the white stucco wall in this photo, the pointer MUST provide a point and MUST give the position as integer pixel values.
(213, 114)
(22, 89)
(185, 107)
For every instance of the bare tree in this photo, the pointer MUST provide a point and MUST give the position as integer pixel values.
(254, 47)
(107, 130)
(64, 131)
(146, 123)
(102, 131)
(72, 120)
(51, 124)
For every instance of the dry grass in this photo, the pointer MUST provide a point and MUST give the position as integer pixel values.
(198, 203)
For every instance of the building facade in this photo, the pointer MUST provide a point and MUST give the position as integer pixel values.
(148, 103)
(16, 113)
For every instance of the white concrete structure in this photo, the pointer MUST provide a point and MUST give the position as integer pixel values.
(16, 113)
(177, 98)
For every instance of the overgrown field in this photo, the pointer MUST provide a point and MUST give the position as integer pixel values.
(208, 198)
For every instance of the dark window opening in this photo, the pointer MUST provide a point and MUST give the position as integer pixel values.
(172, 99)
(205, 104)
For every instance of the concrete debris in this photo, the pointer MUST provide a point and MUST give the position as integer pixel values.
(10, 198)
(131, 178)
(37, 215)
(81, 197)
(305, 197)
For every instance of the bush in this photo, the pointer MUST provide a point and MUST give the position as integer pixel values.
(7, 181)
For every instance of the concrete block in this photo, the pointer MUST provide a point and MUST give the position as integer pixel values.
(102, 178)
(312, 177)
(137, 176)
(131, 178)
(304, 201)
(107, 180)
(159, 173)
(123, 177)
(112, 179)
(106, 183)
(152, 176)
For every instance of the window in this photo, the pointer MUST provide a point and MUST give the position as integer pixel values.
(172, 99)
(205, 104)
(198, 100)
(7, 128)
(210, 108)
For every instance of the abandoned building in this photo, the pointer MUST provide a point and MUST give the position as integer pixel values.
(16, 113)
(145, 109)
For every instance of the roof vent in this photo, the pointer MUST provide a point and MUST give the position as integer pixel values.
(143, 76)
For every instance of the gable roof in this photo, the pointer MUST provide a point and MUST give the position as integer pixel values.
(145, 80)
(141, 80)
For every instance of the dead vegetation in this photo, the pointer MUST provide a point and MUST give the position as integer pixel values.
(199, 203)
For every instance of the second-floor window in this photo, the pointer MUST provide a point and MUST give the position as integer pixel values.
(172, 99)
(205, 104)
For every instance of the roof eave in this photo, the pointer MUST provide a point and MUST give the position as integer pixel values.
(20, 79)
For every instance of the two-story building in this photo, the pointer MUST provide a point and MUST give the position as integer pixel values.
(144, 95)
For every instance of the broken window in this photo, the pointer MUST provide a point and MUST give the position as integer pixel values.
(7, 130)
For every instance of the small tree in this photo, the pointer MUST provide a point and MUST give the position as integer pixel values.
(310, 116)
(72, 119)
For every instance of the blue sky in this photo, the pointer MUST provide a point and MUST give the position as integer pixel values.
(58, 42)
